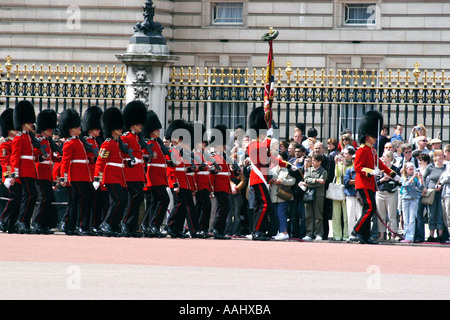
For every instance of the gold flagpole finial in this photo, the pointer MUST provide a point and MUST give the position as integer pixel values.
(271, 35)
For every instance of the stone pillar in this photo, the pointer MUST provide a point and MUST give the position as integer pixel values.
(148, 64)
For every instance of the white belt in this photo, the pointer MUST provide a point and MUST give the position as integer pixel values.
(136, 160)
(190, 173)
(180, 169)
(114, 164)
(79, 161)
(223, 174)
(27, 157)
(160, 165)
(203, 173)
(45, 162)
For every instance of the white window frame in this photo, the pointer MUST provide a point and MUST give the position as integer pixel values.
(373, 14)
(215, 6)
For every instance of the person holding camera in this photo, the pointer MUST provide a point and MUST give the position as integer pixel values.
(412, 186)
(387, 198)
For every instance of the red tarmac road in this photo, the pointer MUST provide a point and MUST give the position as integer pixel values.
(217, 269)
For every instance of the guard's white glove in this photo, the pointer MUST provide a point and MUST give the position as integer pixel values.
(294, 168)
(376, 172)
(397, 178)
(96, 184)
(134, 161)
(269, 132)
(7, 182)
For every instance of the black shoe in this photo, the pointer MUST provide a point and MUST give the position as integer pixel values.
(94, 231)
(173, 234)
(36, 228)
(107, 230)
(125, 231)
(3, 227)
(22, 228)
(47, 231)
(358, 237)
(259, 236)
(372, 241)
(155, 232)
(217, 235)
(81, 232)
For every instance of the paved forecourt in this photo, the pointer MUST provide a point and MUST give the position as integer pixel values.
(72, 267)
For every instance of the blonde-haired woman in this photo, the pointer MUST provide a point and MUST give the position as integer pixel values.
(412, 186)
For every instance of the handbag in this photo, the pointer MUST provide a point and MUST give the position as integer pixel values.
(310, 195)
(428, 197)
(335, 191)
(284, 192)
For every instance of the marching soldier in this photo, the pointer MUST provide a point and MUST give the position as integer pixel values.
(204, 185)
(134, 116)
(91, 130)
(221, 183)
(75, 171)
(158, 199)
(367, 168)
(9, 214)
(44, 216)
(109, 171)
(180, 132)
(23, 168)
(260, 159)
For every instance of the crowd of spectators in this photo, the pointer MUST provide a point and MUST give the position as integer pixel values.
(402, 215)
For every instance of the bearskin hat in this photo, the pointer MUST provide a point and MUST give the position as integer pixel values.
(151, 124)
(135, 112)
(184, 127)
(112, 119)
(23, 113)
(6, 122)
(220, 135)
(46, 119)
(68, 119)
(91, 119)
(256, 120)
(369, 125)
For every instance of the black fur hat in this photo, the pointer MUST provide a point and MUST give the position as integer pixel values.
(135, 112)
(151, 124)
(180, 124)
(256, 119)
(23, 113)
(370, 125)
(91, 119)
(68, 119)
(6, 122)
(112, 119)
(220, 135)
(46, 119)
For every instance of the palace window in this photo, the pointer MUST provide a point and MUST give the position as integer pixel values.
(359, 14)
(227, 13)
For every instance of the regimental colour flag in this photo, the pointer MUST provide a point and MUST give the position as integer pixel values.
(269, 87)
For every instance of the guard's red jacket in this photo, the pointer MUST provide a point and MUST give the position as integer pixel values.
(177, 175)
(135, 173)
(258, 151)
(74, 162)
(44, 166)
(5, 157)
(110, 166)
(365, 162)
(157, 168)
(22, 156)
(202, 177)
(221, 180)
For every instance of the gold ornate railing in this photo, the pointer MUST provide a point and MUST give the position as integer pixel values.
(333, 99)
(61, 87)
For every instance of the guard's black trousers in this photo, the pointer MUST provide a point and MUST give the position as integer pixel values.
(262, 207)
(11, 211)
(183, 209)
(158, 201)
(203, 208)
(117, 203)
(135, 199)
(28, 201)
(369, 208)
(223, 209)
(44, 213)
